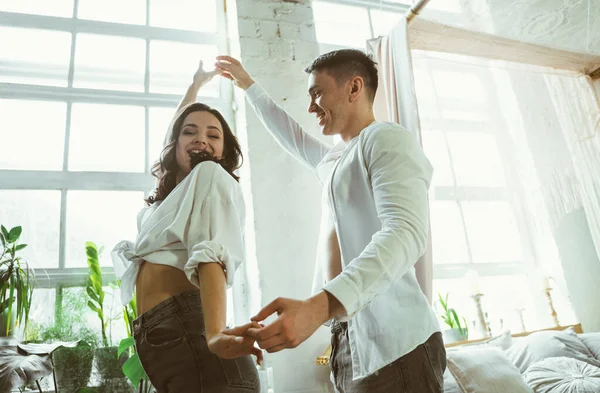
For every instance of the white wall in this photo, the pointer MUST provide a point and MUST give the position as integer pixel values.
(276, 42)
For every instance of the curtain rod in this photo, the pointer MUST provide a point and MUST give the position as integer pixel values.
(415, 10)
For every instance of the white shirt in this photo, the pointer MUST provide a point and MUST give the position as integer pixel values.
(377, 189)
(200, 221)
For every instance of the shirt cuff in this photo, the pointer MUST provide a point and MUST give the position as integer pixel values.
(346, 294)
(210, 252)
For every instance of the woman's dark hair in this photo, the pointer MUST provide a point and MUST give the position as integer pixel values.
(166, 168)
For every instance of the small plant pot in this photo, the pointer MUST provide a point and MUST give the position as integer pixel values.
(108, 364)
(453, 335)
(72, 367)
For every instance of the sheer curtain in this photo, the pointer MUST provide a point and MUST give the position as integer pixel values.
(529, 140)
(395, 101)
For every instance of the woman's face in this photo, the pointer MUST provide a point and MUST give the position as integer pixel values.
(201, 132)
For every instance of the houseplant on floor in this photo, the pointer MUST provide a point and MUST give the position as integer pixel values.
(16, 282)
(72, 366)
(108, 361)
(457, 331)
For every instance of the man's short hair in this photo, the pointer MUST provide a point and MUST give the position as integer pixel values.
(344, 64)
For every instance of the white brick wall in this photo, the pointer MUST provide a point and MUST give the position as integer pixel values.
(276, 42)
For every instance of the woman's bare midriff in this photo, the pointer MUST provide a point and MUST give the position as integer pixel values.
(156, 283)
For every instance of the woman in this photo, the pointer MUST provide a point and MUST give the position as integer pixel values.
(190, 236)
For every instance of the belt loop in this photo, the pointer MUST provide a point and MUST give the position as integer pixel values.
(182, 303)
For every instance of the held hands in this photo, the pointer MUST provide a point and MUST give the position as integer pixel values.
(231, 68)
(297, 321)
(202, 77)
(233, 343)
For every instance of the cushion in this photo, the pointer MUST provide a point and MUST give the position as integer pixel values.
(548, 344)
(502, 341)
(563, 375)
(485, 369)
(592, 342)
(450, 384)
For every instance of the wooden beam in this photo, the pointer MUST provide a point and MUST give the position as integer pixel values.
(595, 74)
(432, 36)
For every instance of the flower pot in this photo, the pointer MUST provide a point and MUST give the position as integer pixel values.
(72, 367)
(108, 364)
(453, 335)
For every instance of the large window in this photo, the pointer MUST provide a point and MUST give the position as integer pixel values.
(87, 91)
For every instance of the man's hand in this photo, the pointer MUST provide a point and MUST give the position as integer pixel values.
(297, 321)
(233, 343)
(202, 77)
(232, 69)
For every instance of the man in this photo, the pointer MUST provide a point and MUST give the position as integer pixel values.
(385, 337)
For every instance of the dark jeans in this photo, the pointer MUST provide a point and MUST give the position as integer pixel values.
(419, 371)
(171, 344)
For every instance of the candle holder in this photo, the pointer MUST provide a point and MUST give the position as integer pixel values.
(482, 324)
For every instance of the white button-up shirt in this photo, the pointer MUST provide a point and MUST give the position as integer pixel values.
(377, 192)
(200, 221)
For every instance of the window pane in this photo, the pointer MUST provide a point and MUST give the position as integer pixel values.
(23, 59)
(503, 297)
(492, 231)
(447, 233)
(28, 144)
(160, 119)
(38, 213)
(384, 21)
(110, 63)
(130, 11)
(476, 159)
(40, 7)
(107, 138)
(172, 66)
(458, 85)
(197, 15)
(104, 217)
(436, 151)
(341, 24)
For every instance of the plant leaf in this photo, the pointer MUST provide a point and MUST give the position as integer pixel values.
(14, 234)
(86, 390)
(133, 370)
(125, 344)
(4, 232)
(18, 369)
(20, 247)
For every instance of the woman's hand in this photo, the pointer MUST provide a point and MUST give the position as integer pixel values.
(233, 343)
(231, 68)
(202, 77)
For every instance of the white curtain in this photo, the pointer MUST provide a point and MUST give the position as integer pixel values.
(396, 101)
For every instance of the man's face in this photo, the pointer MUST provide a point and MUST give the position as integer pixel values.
(329, 101)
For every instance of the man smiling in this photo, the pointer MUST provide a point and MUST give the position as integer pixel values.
(374, 224)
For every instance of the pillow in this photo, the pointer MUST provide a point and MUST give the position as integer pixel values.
(549, 344)
(502, 341)
(592, 342)
(563, 375)
(450, 384)
(485, 370)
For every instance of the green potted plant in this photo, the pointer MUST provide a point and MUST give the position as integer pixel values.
(72, 366)
(16, 282)
(457, 331)
(132, 368)
(108, 361)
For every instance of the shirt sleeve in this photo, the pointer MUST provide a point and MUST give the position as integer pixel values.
(400, 176)
(216, 229)
(286, 131)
